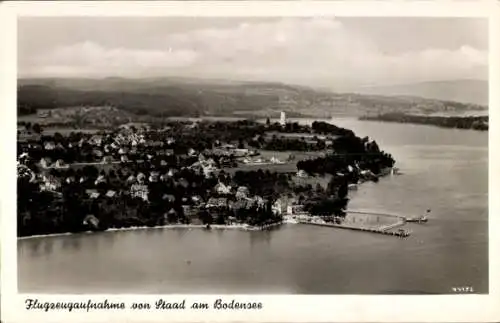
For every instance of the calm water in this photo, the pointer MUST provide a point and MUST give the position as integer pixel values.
(444, 169)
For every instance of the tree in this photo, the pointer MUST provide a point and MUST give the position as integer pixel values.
(37, 128)
(342, 193)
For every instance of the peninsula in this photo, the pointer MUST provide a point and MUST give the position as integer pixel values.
(211, 173)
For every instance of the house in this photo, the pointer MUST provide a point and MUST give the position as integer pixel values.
(139, 190)
(45, 162)
(92, 221)
(107, 160)
(50, 183)
(241, 152)
(153, 177)
(258, 200)
(95, 140)
(191, 152)
(216, 202)
(301, 173)
(196, 199)
(92, 193)
(123, 150)
(100, 179)
(61, 164)
(295, 209)
(275, 160)
(111, 194)
(43, 113)
(98, 152)
(221, 188)
(50, 145)
(280, 206)
(242, 192)
(141, 177)
(24, 172)
(23, 157)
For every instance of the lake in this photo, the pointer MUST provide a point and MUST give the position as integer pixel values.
(445, 170)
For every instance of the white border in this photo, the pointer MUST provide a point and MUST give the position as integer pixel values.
(351, 308)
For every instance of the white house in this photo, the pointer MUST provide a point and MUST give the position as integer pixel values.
(138, 190)
(301, 173)
(221, 188)
(45, 163)
(277, 207)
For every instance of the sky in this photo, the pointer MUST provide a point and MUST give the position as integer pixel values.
(337, 53)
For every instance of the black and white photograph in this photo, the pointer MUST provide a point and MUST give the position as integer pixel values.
(252, 155)
(318, 161)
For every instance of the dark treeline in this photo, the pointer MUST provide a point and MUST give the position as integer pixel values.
(475, 123)
(351, 154)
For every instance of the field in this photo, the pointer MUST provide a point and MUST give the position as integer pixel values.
(67, 131)
(279, 168)
(286, 167)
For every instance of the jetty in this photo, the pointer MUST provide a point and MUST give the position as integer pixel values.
(385, 230)
(399, 233)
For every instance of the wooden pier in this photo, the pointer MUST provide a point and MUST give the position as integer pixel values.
(400, 233)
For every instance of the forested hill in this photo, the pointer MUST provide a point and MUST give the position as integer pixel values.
(182, 96)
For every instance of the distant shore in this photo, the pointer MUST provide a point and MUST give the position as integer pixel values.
(479, 123)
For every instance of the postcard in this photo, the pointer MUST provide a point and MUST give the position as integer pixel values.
(249, 161)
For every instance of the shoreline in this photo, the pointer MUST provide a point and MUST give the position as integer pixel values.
(243, 227)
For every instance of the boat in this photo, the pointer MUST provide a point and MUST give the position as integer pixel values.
(421, 219)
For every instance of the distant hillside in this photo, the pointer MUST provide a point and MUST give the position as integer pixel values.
(184, 96)
(465, 91)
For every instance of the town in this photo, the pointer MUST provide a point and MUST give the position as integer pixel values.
(242, 174)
